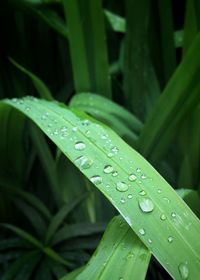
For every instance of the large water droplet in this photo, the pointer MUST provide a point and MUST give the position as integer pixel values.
(108, 169)
(132, 177)
(80, 146)
(146, 204)
(142, 231)
(122, 187)
(96, 179)
(84, 162)
(183, 270)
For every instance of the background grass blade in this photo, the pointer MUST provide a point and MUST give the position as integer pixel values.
(89, 60)
(120, 254)
(160, 131)
(117, 23)
(42, 89)
(145, 199)
(61, 215)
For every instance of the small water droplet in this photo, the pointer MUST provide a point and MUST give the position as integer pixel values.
(14, 100)
(63, 129)
(159, 191)
(130, 256)
(84, 162)
(43, 117)
(183, 270)
(122, 187)
(80, 146)
(27, 108)
(110, 155)
(85, 122)
(122, 200)
(55, 132)
(173, 215)
(132, 177)
(115, 150)
(103, 136)
(142, 193)
(146, 204)
(143, 176)
(142, 231)
(108, 169)
(114, 174)
(130, 196)
(138, 170)
(74, 129)
(170, 239)
(150, 241)
(107, 186)
(163, 217)
(96, 179)
(166, 199)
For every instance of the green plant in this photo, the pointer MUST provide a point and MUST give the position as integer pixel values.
(142, 101)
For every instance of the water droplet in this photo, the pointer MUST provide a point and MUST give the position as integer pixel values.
(173, 215)
(104, 136)
(170, 239)
(163, 217)
(159, 191)
(142, 231)
(84, 162)
(74, 128)
(115, 150)
(132, 177)
(130, 196)
(110, 155)
(55, 132)
(63, 129)
(122, 187)
(108, 169)
(85, 122)
(150, 241)
(27, 108)
(14, 100)
(143, 176)
(183, 270)
(114, 174)
(80, 146)
(96, 179)
(146, 204)
(107, 186)
(122, 200)
(43, 117)
(130, 256)
(166, 199)
(121, 278)
(142, 193)
(138, 170)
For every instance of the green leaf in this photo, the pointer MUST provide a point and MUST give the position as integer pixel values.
(61, 215)
(79, 229)
(144, 199)
(117, 22)
(89, 101)
(120, 254)
(41, 88)
(140, 83)
(73, 274)
(181, 95)
(89, 60)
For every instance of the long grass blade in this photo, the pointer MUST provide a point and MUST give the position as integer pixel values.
(88, 53)
(138, 192)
